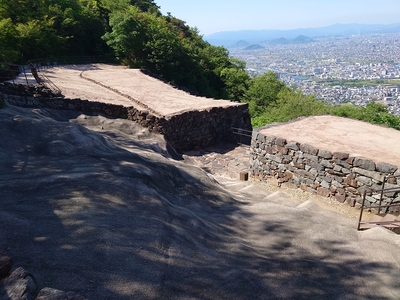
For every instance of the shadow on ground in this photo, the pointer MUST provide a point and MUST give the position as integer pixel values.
(83, 214)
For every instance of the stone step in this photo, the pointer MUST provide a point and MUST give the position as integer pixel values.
(255, 190)
(306, 204)
(245, 190)
(371, 222)
(388, 218)
(223, 179)
(283, 198)
(232, 185)
(388, 221)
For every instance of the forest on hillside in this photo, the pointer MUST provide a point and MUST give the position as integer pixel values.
(135, 33)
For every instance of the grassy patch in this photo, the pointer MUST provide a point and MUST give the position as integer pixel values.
(361, 83)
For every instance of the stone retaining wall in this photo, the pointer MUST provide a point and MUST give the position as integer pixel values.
(319, 171)
(185, 131)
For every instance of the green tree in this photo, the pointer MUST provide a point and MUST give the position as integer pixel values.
(223, 72)
(290, 105)
(374, 113)
(293, 104)
(8, 39)
(127, 36)
(164, 52)
(20, 11)
(262, 92)
(81, 25)
(51, 28)
(114, 5)
(236, 82)
(176, 52)
(143, 40)
(37, 39)
(146, 6)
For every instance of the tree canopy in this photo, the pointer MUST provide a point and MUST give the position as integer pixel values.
(271, 101)
(134, 31)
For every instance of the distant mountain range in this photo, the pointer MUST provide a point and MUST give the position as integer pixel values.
(230, 38)
(254, 47)
(301, 39)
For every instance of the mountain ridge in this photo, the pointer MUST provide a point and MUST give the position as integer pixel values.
(228, 38)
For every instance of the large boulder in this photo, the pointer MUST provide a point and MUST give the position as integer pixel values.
(20, 284)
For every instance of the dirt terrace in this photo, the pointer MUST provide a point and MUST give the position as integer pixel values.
(128, 87)
(335, 134)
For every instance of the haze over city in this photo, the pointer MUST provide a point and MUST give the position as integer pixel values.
(211, 16)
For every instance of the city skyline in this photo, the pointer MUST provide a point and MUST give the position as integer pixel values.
(223, 15)
(355, 69)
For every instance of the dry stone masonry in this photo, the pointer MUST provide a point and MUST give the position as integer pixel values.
(289, 163)
(185, 131)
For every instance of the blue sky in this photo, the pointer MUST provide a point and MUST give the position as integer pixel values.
(211, 16)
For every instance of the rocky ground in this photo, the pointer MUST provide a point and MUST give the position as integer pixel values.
(102, 208)
(99, 207)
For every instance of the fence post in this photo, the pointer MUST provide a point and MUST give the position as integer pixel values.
(362, 209)
(381, 196)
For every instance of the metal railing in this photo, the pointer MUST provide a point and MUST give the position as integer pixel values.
(38, 66)
(243, 136)
(42, 79)
(381, 192)
(49, 84)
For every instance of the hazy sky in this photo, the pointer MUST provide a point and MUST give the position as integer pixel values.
(211, 16)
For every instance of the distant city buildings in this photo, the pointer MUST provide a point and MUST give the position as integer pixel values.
(320, 67)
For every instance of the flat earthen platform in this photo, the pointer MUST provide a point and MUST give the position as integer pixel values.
(112, 84)
(336, 134)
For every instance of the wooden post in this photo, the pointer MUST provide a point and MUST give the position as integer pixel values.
(244, 176)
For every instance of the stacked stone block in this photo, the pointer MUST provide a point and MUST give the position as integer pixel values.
(188, 130)
(320, 171)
